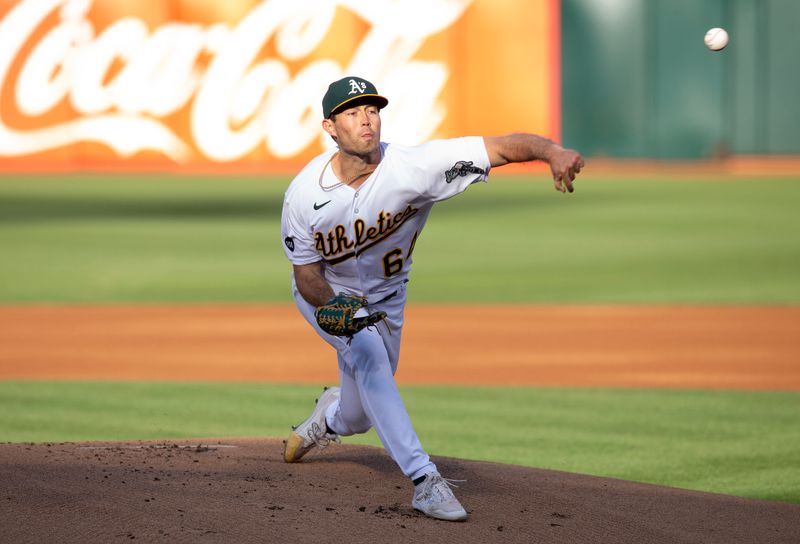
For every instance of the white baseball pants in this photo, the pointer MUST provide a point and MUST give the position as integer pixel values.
(369, 396)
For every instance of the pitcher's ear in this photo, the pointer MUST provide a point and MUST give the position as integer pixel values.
(328, 126)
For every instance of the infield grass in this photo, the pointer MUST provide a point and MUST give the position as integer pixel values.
(167, 239)
(737, 443)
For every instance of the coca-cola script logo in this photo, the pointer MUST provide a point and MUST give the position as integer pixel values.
(124, 81)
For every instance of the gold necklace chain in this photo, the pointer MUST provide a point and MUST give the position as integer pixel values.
(335, 185)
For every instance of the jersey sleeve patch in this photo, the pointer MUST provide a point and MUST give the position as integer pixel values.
(461, 169)
(298, 246)
(446, 168)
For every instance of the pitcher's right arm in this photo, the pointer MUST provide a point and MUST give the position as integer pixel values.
(311, 283)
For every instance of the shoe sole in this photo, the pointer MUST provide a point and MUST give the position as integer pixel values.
(444, 517)
(294, 450)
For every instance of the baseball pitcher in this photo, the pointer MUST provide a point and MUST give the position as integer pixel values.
(350, 220)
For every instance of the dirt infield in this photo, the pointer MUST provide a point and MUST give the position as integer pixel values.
(608, 346)
(241, 491)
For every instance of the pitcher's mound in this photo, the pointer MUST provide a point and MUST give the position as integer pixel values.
(242, 491)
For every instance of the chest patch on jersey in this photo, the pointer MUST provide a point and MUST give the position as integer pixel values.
(460, 169)
(336, 246)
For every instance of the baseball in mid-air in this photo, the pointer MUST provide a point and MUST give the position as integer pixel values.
(716, 39)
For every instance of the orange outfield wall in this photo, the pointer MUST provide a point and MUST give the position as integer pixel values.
(202, 85)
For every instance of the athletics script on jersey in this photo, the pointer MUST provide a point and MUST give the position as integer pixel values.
(336, 246)
(77, 71)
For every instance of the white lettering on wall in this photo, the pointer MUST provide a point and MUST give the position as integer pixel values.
(124, 81)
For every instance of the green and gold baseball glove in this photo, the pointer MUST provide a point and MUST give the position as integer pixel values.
(338, 316)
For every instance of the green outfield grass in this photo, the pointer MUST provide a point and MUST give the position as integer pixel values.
(738, 443)
(163, 239)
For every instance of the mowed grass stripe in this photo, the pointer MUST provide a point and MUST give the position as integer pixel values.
(79, 239)
(738, 443)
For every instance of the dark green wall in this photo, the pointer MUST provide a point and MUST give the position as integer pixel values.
(639, 82)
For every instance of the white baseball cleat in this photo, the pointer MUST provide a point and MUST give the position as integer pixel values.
(434, 498)
(313, 431)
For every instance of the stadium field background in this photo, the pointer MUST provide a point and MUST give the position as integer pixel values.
(693, 240)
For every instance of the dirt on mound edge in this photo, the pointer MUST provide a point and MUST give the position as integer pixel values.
(241, 491)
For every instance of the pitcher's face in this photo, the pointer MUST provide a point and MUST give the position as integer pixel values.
(357, 130)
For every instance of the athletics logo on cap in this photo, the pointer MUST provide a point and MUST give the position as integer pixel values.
(357, 87)
(348, 92)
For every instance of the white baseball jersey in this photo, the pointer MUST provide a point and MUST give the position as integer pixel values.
(365, 237)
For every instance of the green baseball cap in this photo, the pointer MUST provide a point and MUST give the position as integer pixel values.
(349, 92)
